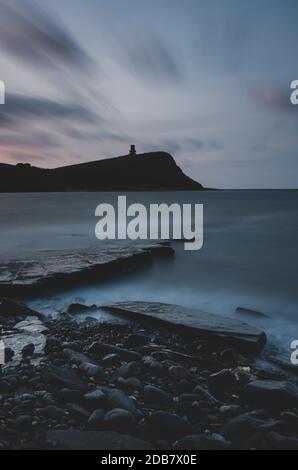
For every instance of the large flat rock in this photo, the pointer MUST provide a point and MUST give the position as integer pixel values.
(61, 270)
(95, 440)
(193, 321)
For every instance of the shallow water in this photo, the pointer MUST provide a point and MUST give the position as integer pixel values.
(249, 257)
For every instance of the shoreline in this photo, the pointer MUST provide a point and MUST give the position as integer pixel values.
(145, 388)
(83, 384)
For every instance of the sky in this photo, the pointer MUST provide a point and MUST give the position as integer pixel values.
(205, 80)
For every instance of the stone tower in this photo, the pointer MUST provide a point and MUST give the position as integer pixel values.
(132, 150)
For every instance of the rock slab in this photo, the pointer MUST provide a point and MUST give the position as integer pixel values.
(233, 331)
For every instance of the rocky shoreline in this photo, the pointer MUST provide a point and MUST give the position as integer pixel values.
(122, 386)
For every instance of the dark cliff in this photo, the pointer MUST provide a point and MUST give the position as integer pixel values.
(156, 171)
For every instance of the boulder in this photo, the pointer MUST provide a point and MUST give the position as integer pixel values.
(120, 420)
(28, 350)
(63, 377)
(169, 426)
(92, 370)
(9, 307)
(95, 440)
(194, 322)
(202, 442)
(242, 428)
(96, 398)
(270, 394)
(76, 308)
(179, 372)
(155, 396)
(102, 349)
(118, 399)
(111, 360)
(96, 419)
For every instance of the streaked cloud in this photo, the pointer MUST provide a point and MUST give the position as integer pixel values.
(151, 58)
(33, 35)
(22, 109)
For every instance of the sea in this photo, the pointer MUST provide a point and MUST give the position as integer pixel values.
(249, 257)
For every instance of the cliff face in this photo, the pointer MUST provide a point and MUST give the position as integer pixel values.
(156, 171)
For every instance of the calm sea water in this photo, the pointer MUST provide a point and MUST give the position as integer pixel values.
(249, 257)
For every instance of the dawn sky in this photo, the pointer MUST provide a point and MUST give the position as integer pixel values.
(206, 80)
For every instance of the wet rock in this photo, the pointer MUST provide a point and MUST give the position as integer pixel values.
(102, 349)
(63, 377)
(242, 428)
(223, 380)
(8, 354)
(74, 345)
(161, 356)
(53, 342)
(228, 356)
(75, 357)
(155, 396)
(231, 331)
(230, 411)
(23, 423)
(178, 372)
(54, 412)
(291, 419)
(184, 386)
(132, 369)
(243, 378)
(95, 440)
(67, 394)
(250, 312)
(153, 366)
(202, 442)
(270, 394)
(118, 399)
(120, 420)
(9, 307)
(92, 370)
(111, 360)
(276, 441)
(163, 424)
(78, 411)
(96, 398)
(96, 419)
(28, 350)
(131, 384)
(76, 308)
(136, 340)
(189, 397)
(205, 394)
